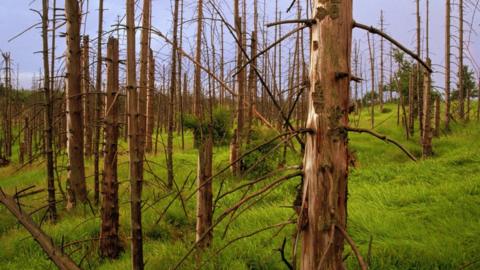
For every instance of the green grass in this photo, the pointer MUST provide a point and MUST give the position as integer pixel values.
(422, 215)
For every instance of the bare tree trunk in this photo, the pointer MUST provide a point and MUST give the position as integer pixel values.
(419, 73)
(150, 103)
(447, 64)
(437, 116)
(372, 73)
(427, 119)
(240, 92)
(380, 87)
(109, 240)
(478, 99)
(461, 88)
(427, 106)
(87, 104)
(324, 205)
(52, 209)
(411, 105)
(180, 74)
(136, 177)
(173, 90)
(98, 105)
(76, 173)
(204, 195)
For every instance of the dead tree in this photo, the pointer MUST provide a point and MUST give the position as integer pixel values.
(411, 104)
(56, 254)
(7, 119)
(173, 90)
(136, 177)
(427, 119)
(380, 87)
(150, 103)
(371, 50)
(437, 115)
(419, 73)
(240, 85)
(461, 88)
(76, 173)
(427, 106)
(204, 195)
(181, 96)
(324, 205)
(98, 105)
(52, 209)
(447, 64)
(143, 84)
(109, 239)
(87, 100)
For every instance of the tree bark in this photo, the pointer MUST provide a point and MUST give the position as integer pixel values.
(76, 173)
(204, 195)
(150, 103)
(380, 87)
(135, 161)
(427, 118)
(98, 105)
(109, 240)
(173, 90)
(447, 64)
(461, 90)
(371, 49)
(52, 209)
(87, 100)
(324, 205)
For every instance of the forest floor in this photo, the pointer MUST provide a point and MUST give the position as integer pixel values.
(415, 215)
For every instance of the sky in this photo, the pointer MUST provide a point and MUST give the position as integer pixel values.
(16, 16)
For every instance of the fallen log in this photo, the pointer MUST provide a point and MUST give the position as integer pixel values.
(53, 252)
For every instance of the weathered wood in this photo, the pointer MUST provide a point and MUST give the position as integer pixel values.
(171, 100)
(48, 116)
(61, 260)
(135, 160)
(76, 173)
(109, 233)
(87, 97)
(448, 56)
(324, 204)
(427, 116)
(204, 167)
(98, 106)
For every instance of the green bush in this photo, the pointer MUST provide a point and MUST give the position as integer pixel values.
(220, 126)
(259, 136)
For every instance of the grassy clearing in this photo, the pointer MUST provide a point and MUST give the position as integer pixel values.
(422, 215)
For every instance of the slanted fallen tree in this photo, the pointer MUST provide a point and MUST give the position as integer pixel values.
(61, 260)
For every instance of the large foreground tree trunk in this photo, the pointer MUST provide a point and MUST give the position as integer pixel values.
(52, 209)
(326, 153)
(76, 173)
(98, 106)
(204, 195)
(133, 145)
(109, 240)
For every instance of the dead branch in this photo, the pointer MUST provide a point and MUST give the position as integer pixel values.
(376, 31)
(350, 241)
(275, 43)
(282, 253)
(383, 138)
(55, 254)
(307, 22)
(233, 208)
